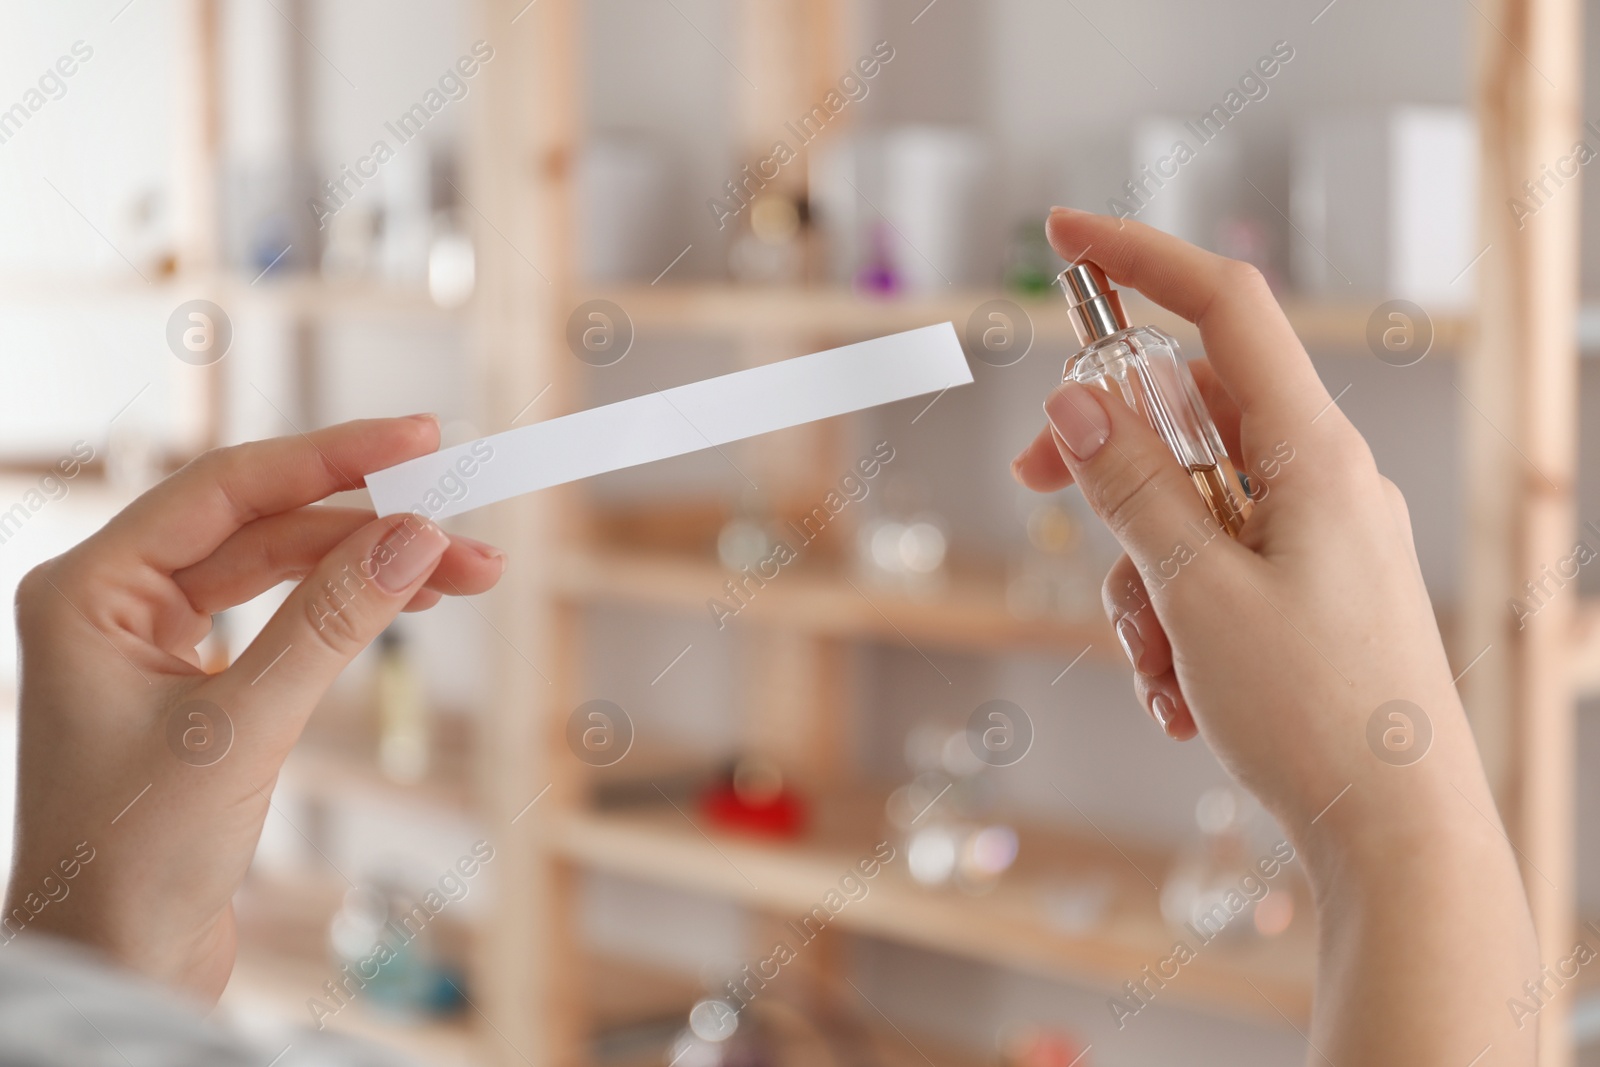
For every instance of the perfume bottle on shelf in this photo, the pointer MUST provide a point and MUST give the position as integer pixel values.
(1032, 1045)
(879, 275)
(1226, 881)
(1059, 572)
(376, 934)
(771, 246)
(756, 798)
(1030, 262)
(402, 713)
(945, 816)
(1143, 366)
(904, 550)
(452, 263)
(749, 536)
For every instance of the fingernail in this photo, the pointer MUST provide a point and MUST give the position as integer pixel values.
(1128, 637)
(406, 554)
(1059, 210)
(1162, 707)
(1078, 418)
(425, 416)
(1016, 464)
(487, 551)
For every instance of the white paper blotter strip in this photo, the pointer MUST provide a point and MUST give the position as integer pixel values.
(673, 422)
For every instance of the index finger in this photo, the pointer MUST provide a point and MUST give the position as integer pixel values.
(1246, 335)
(189, 514)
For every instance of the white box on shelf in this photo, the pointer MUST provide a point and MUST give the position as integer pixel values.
(935, 183)
(1191, 202)
(1385, 203)
(624, 192)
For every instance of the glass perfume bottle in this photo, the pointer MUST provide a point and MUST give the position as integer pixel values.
(402, 712)
(1142, 365)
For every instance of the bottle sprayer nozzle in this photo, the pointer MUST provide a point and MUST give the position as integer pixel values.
(1095, 307)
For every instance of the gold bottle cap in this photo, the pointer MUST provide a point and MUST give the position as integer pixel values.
(1095, 307)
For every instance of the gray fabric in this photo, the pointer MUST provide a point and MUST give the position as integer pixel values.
(62, 1007)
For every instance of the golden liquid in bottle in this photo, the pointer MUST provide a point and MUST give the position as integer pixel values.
(1220, 489)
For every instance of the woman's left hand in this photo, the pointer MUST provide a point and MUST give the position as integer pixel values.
(143, 782)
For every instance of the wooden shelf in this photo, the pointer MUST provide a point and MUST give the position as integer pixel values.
(1010, 927)
(282, 961)
(313, 296)
(838, 313)
(969, 613)
(301, 294)
(639, 1007)
(629, 992)
(823, 312)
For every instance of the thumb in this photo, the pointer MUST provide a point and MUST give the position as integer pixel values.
(1130, 478)
(355, 591)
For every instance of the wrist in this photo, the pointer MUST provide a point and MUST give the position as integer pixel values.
(1408, 787)
(1404, 826)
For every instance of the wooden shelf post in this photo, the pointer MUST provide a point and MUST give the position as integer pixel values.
(1520, 421)
(519, 193)
(196, 180)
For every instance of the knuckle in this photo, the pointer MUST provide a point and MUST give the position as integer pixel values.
(1397, 503)
(1112, 593)
(1128, 492)
(336, 619)
(279, 557)
(1341, 441)
(223, 466)
(335, 631)
(1244, 277)
(213, 461)
(34, 591)
(1352, 473)
(1122, 593)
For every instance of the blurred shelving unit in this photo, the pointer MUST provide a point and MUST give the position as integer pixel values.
(971, 612)
(1517, 343)
(1339, 329)
(297, 296)
(1010, 927)
(283, 957)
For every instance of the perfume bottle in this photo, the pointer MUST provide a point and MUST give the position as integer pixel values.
(1143, 366)
(402, 712)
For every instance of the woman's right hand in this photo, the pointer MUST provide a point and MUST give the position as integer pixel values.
(1279, 646)
(1283, 649)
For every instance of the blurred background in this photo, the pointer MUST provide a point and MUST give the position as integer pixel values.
(814, 748)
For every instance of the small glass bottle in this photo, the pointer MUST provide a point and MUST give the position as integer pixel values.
(402, 713)
(1142, 365)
